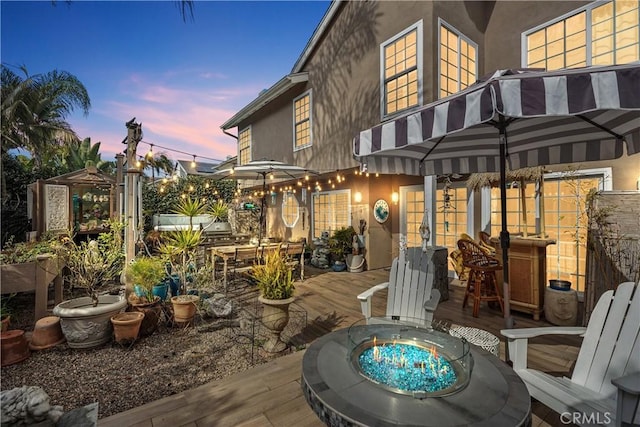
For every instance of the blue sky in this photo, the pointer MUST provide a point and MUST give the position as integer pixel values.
(181, 80)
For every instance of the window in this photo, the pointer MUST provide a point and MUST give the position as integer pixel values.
(401, 64)
(412, 213)
(458, 61)
(331, 211)
(565, 201)
(244, 146)
(565, 220)
(290, 209)
(302, 121)
(598, 34)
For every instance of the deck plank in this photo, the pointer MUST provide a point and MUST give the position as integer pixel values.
(270, 394)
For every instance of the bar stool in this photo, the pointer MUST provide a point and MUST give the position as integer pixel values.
(482, 283)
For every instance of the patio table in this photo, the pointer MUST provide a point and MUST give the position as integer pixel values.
(228, 253)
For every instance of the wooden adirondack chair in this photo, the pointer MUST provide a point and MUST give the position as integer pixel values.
(609, 357)
(411, 297)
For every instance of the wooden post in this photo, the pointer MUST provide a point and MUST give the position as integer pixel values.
(523, 199)
(134, 136)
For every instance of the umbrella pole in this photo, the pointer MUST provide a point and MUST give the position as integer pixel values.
(263, 205)
(504, 234)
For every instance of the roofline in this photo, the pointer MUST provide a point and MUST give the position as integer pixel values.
(280, 87)
(316, 36)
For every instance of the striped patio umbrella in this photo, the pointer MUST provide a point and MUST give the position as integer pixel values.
(523, 117)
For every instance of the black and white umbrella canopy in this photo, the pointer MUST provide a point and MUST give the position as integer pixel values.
(567, 116)
(523, 118)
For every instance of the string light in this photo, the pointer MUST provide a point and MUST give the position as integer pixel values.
(150, 152)
(193, 162)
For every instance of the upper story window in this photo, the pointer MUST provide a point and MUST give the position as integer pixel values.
(598, 34)
(302, 121)
(401, 74)
(458, 61)
(244, 146)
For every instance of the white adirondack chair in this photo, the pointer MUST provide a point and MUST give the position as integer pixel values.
(610, 351)
(411, 297)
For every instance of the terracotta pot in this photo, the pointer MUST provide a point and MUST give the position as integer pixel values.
(46, 334)
(14, 347)
(152, 312)
(184, 308)
(275, 317)
(126, 326)
(5, 323)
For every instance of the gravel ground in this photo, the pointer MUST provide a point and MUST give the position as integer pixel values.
(169, 361)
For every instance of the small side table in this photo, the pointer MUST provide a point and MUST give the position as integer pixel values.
(628, 398)
(478, 337)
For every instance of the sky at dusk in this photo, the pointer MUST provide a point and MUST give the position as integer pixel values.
(180, 79)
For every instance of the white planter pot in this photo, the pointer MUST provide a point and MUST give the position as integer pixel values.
(86, 326)
(355, 263)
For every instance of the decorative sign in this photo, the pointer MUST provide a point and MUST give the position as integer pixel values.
(381, 210)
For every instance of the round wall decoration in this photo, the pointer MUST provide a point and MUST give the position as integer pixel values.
(381, 210)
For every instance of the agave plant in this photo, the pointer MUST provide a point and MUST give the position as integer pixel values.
(191, 207)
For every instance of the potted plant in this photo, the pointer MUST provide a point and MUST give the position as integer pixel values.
(274, 278)
(93, 266)
(341, 244)
(146, 273)
(180, 248)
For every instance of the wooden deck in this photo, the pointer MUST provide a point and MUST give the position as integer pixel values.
(270, 394)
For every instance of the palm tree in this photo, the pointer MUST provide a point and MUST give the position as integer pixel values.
(34, 109)
(159, 162)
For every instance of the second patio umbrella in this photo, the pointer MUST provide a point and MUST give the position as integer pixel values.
(263, 170)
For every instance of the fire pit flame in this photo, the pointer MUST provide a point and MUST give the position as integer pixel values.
(435, 365)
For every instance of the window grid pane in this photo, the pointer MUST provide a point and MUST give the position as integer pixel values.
(244, 146)
(457, 62)
(329, 213)
(401, 74)
(302, 114)
(615, 38)
(414, 207)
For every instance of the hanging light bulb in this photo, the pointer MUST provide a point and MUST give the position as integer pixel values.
(193, 162)
(175, 177)
(272, 176)
(150, 152)
(306, 176)
(138, 163)
(207, 185)
(165, 180)
(232, 171)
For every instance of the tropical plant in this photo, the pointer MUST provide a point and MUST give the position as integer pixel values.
(274, 277)
(341, 242)
(180, 248)
(95, 263)
(146, 272)
(78, 153)
(191, 207)
(158, 162)
(34, 110)
(220, 211)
